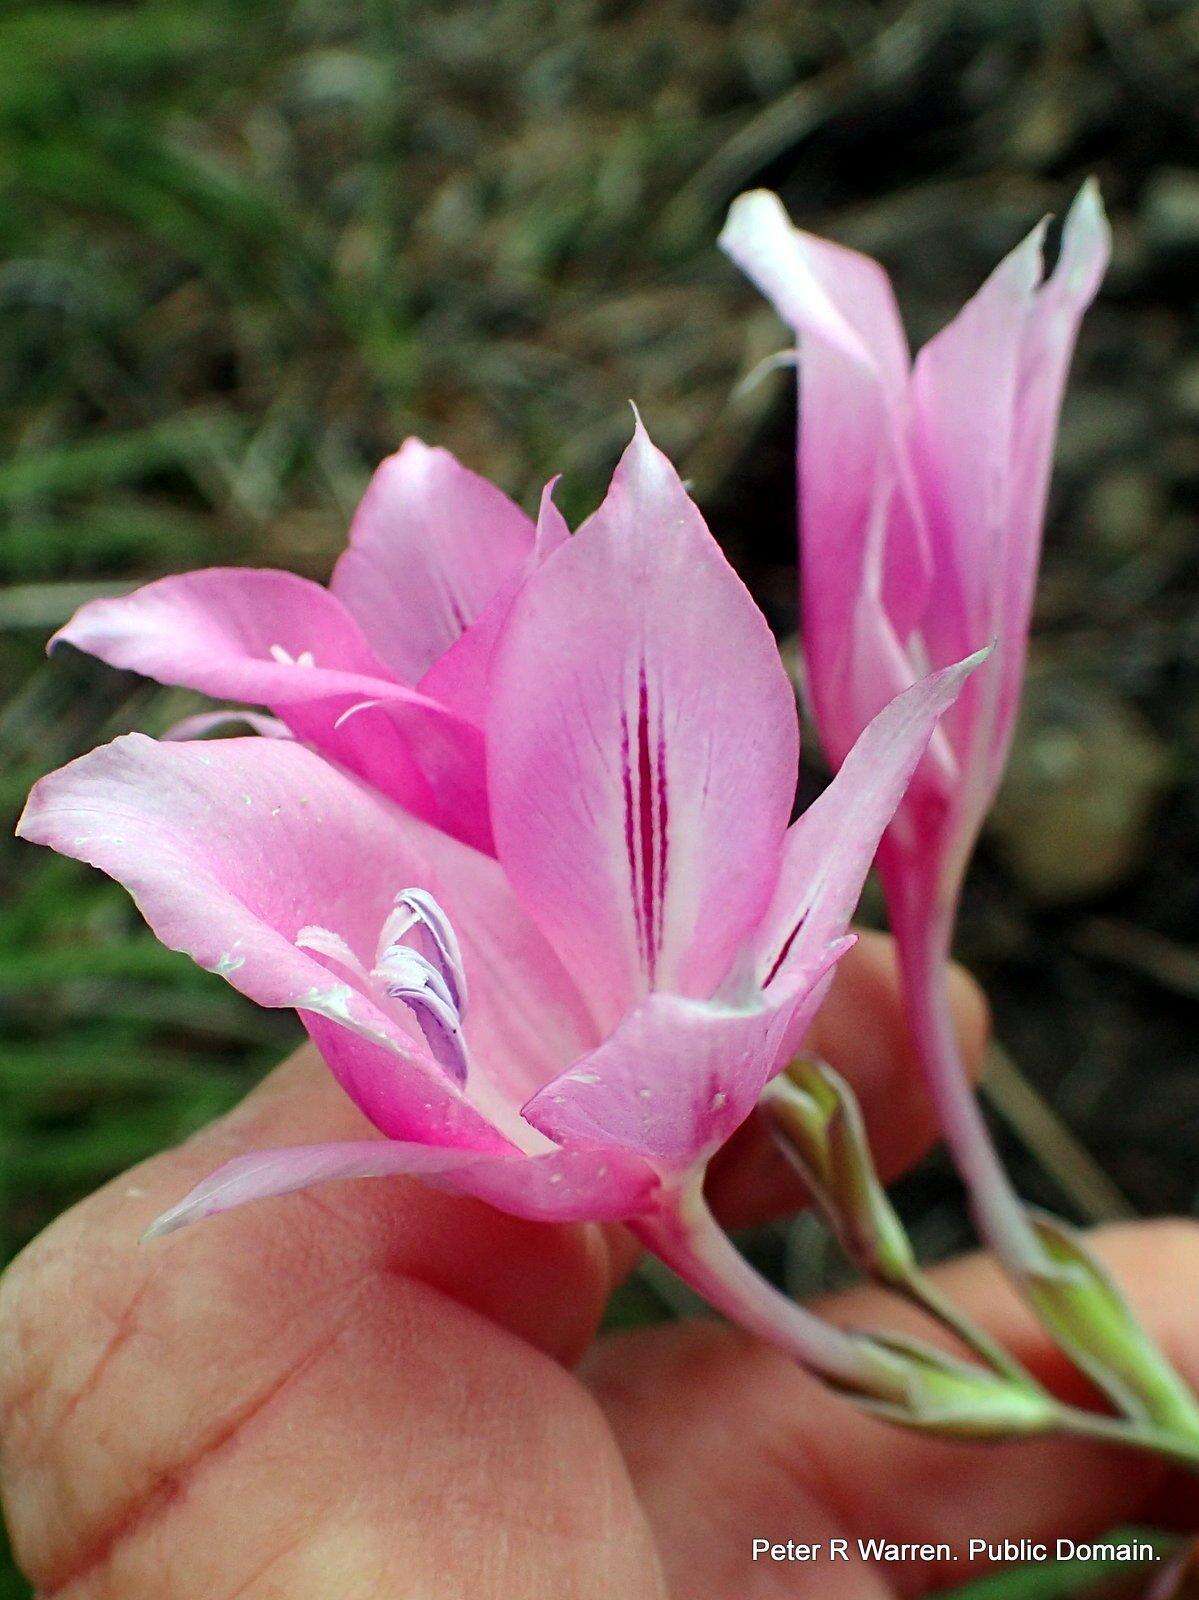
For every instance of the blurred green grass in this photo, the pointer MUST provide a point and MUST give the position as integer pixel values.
(250, 245)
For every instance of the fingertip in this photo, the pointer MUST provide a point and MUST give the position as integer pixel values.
(862, 1028)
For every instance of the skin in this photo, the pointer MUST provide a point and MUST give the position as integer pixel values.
(380, 1392)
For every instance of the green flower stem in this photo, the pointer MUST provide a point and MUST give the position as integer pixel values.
(921, 1291)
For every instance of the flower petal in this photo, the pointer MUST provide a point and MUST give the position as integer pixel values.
(678, 1076)
(232, 848)
(987, 392)
(829, 850)
(461, 678)
(841, 298)
(424, 756)
(558, 1186)
(642, 744)
(430, 545)
(863, 538)
(283, 642)
(1044, 363)
(965, 385)
(236, 633)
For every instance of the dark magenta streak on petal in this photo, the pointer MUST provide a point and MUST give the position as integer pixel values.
(453, 605)
(630, 841)
(784, 952)
(645, 816)
(663, 817)
(648, 827)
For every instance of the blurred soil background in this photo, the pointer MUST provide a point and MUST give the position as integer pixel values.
(247, 247)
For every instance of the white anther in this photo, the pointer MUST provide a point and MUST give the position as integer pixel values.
(416, 909)
(431, 986)
(286, 659)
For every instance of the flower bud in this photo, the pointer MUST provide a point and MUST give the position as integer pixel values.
(1084, 1311)
(819, 1125)
(957, 1398)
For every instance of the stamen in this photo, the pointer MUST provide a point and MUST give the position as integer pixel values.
(405, 968)
(407, 976)
(417, 909)
(352, 711)
(286, 659)
(432, 986)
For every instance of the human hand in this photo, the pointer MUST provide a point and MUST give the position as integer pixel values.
(375, 1391)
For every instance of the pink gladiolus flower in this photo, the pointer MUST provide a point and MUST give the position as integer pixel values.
(568, 1029)
(386, 671)
(922, 498)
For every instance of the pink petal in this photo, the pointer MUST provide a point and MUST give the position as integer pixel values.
(1044, 363)
(840, 298)
(223, 632)
(231, 848)
(987, 393)
(559, 1186)
(642, 746)
(552, 528)
(829, 850)
(863, 537)
(430, 545)
(461, 678)
(678, 1076)
(964, 390)
(424, 756)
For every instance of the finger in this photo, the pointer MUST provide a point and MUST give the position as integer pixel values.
(727, 1441)
(122, 1364)
(547, 1284)
(384, 1442)
(862, 1032)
